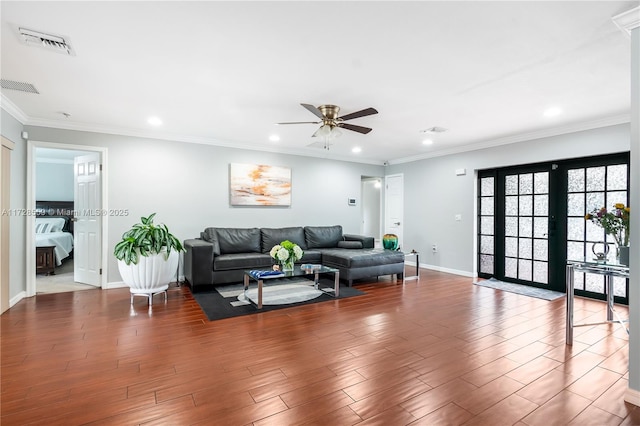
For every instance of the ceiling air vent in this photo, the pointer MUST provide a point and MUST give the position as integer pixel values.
(18, 85)
(48, 41)
(435, 129)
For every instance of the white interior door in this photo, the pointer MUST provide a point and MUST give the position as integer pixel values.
(394, 206)
(88, 225)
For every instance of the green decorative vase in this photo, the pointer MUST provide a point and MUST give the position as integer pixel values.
(390, 241)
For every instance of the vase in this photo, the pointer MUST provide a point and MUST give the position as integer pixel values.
(390, 241)
(623, 255)
(287, 265)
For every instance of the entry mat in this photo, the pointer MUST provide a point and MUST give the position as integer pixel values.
(525, 290)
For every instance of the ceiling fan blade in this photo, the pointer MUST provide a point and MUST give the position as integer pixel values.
(301, 122)
(362, 113)
(359, 129)
(315, 111)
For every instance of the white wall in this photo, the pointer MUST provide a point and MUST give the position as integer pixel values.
(54, 181)
(187, 185)
(434, 194)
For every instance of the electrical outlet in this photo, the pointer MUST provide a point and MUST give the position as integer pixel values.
(434, 248)
(458, 217)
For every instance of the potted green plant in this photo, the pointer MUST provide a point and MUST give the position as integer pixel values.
(148, 256)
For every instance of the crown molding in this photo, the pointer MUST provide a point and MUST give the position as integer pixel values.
(12, 109)
(628, 20)
(70, 125)
(523, 137)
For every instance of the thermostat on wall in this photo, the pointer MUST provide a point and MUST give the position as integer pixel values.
(351, 201)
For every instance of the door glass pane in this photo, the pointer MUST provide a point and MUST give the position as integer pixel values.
(617, 177)
(525, 270)
(526, 228)
(575, 228)
(487, 187)
(575, 250)
(541, 205)
(511, 226)
(511, 185)
(540, 272)
(540, 249)
(575, 205)
(525, 248)
(511, 206)
(595, 178)
(526, 205)
(594, 283)
(486, 244)
(511, 247)
(486, 206)
(511, 267)
(526, 183)
(486, 225)
(595, 200)
(576, 180)
(616, 197)
(486, 264)
(540, 227)
(541, 183)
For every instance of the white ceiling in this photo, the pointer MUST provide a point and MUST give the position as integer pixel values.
(224, 72)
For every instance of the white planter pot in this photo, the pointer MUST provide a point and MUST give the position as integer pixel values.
(151, 275)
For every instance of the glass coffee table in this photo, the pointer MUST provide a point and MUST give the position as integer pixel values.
(312, 273)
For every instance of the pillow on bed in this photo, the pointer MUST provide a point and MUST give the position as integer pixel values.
(53, 224)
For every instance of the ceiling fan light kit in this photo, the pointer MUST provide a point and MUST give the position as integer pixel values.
(331, 122)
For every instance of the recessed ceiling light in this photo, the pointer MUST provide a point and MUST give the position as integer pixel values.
(356, 149)
(274, 138)
(427, 142)
(154, 121)
(552, 112)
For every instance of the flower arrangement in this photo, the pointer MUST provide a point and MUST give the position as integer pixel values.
(614, 222)
(286, 253)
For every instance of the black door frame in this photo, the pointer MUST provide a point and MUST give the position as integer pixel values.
(557, 231)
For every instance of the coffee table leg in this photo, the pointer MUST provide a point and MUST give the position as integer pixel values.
(336, 284)
(259, 294)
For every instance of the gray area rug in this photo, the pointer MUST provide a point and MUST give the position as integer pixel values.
(524, 290)
(273, 293)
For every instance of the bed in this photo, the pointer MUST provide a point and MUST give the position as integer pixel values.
(54, 234)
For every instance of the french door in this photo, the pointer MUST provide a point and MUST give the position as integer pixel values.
(531, 220)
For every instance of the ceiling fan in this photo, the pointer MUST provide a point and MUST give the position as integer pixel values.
(328, 114)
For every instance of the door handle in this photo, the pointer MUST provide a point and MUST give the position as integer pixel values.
(396, 223)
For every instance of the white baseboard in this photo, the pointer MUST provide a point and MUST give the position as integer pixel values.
(447, 270)
(114, 284)
(18, 297)
(632, 396)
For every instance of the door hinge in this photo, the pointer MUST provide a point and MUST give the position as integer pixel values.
(100, 167)
(100, 271)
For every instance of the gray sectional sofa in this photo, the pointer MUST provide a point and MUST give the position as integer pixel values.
(221, 255)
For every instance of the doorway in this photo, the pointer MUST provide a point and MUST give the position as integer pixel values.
(531, 219)
(371, 207)
(53, 173)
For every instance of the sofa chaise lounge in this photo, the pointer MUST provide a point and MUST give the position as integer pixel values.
(221, 255)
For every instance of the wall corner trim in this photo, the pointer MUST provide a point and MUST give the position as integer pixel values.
(632, 396)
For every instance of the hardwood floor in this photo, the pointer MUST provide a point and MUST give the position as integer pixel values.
(437, 351)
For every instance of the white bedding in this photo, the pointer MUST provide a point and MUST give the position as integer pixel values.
(63, 242)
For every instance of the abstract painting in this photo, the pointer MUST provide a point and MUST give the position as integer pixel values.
(259, 185)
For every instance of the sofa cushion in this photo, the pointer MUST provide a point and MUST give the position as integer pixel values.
(211, 236)
(350, 244)
(274, 236)
(238, 240)
(360, 258)
(228, 262)
(323, 236)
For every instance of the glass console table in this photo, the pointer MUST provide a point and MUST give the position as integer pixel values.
(607, 268)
